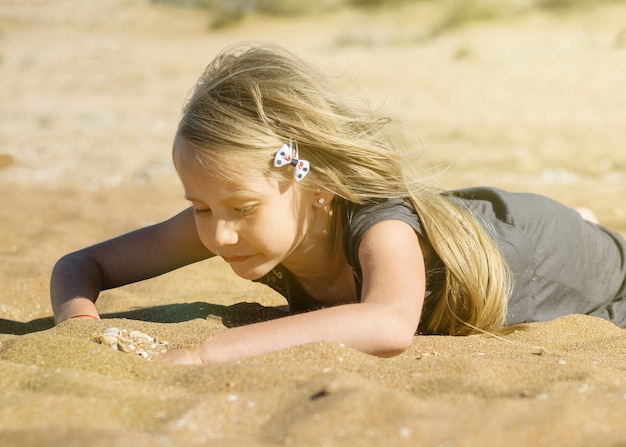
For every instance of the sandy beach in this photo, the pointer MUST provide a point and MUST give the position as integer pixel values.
(90, 95)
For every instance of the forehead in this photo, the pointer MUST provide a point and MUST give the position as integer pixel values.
(205, 187)
(228, 164)
(202, 183)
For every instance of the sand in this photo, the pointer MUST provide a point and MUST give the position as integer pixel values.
(90, 94)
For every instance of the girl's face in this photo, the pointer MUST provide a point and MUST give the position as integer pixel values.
(254, 224)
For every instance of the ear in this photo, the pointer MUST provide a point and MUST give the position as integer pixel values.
(322, 199)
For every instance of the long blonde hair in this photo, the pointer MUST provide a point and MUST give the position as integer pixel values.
(252, 98)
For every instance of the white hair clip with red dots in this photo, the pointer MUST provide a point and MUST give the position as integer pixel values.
(285, 156)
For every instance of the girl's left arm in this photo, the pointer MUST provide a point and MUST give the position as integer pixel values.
(383, 323)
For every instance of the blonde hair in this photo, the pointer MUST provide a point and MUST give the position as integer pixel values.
(252, 98)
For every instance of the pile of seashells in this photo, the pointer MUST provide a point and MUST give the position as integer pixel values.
(133, 342)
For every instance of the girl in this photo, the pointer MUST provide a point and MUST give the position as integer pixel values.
(301, 190)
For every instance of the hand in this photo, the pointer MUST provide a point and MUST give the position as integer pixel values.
(181, 357)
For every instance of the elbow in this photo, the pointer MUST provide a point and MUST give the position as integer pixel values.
(77, 261)
(396, 347)
(75, 265)
(62, 268)
(76, 269)
(396, 337)
(69, 260)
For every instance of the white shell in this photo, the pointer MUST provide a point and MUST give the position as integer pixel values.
(134, 341)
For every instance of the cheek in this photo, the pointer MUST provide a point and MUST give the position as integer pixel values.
(203, 230)
(286, 232)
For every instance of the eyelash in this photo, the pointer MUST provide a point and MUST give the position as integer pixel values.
(201, 210)
(244, 211)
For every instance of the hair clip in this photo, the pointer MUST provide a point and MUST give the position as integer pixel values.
(285, 157)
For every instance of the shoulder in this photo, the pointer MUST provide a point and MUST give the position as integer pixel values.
(361, 218)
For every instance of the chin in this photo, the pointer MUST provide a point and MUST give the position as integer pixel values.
(251, 274)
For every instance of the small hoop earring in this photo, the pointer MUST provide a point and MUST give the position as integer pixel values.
(321, 200)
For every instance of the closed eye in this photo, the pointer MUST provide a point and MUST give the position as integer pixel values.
(197, 210)
(246, 210)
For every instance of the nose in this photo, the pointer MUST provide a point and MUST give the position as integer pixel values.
(224, 233)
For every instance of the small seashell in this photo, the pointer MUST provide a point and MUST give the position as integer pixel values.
(110, 341)
(112, 331)
(110, 337)
(132, 342)
(141, 335)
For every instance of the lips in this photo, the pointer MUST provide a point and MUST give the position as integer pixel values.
(236, 258)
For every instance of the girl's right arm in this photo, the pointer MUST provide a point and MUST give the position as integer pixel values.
(79, 277)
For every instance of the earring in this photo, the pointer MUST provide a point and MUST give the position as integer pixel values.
(321, 200)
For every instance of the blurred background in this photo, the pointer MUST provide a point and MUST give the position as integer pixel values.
(527, 95)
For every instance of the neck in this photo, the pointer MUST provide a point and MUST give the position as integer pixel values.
(319, 256)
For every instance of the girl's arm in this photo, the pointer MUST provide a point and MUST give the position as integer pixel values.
(383, 324)
(78, 278)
